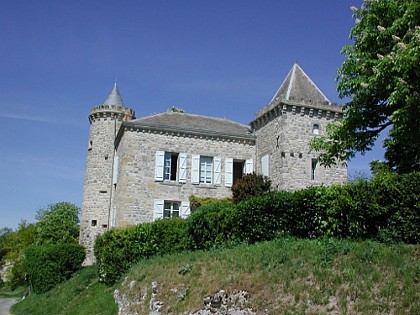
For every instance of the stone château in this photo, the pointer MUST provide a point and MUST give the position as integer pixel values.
(140, 170)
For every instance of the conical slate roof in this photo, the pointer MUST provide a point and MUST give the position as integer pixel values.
(114, 97)
(298, 87)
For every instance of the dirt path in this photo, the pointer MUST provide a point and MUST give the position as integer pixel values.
(5, 305)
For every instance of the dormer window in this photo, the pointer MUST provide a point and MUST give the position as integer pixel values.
(315, 129)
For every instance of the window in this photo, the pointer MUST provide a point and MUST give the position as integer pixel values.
(170, 166)
(315, 129)
(94, 223)
(265, 165)
(234, 170)
(238, 170)
(171, 209)
(206, 169)
(314, 163)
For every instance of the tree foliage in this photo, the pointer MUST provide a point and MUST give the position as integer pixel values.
(58, 224)
(381, 76)
(250, 185)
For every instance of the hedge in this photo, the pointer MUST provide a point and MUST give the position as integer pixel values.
(117, 250)
(385, 208)
(49, 265)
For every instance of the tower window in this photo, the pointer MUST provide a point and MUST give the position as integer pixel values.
(314, 163)
(94, 223)
(315, 129)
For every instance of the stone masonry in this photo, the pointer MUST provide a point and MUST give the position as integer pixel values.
(140, 170)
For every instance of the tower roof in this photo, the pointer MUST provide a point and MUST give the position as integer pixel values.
(298, 87)
(114, 97)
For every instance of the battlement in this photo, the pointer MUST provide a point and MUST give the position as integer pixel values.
(111, 111)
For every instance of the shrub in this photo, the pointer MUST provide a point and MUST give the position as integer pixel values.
(117, 250)
(210, 225)
(250, 185)
(49, 265)
(171, 235)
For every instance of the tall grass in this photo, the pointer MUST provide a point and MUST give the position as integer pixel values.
(81, 295)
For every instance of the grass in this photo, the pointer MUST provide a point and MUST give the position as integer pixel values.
(16, 293)
(285, 276)
(82, 294)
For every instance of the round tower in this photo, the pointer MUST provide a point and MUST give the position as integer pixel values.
(105, 120)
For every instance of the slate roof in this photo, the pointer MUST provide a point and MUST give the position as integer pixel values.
(114, 97)
(194, 124)
(298, 87)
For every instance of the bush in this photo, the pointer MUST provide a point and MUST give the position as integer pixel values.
(250, 185)
(210, 225)
(49, 265)
(117, 250)
(171, 235)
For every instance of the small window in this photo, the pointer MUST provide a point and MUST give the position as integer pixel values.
(206, 169)
(171, 209)
(94, 223)
(314, 163)
(90, 145)
(315, 129)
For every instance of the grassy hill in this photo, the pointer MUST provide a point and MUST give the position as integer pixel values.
(285, 276)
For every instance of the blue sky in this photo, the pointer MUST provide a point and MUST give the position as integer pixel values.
(58, 59)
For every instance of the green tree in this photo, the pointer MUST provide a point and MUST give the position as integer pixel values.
(381, 77)
(58, 224)
(250, 185)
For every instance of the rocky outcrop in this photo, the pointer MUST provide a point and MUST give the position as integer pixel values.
(221, 303)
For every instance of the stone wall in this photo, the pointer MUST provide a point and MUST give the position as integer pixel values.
(284, 134)
(104, 122)
(136, 188)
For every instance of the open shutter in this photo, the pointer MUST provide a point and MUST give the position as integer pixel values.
(195, 169)
(249, 166)
(265, 165)
(115, 170)
(182, 177)
(185, 209)
(217, 170)
(160, 161)
(158, 209)
(228, 172)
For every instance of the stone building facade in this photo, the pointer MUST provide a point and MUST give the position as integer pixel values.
(140, 170)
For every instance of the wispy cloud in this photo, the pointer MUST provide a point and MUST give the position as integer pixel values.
(40, 119)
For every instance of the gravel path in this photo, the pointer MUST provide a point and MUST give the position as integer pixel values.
(5, 305)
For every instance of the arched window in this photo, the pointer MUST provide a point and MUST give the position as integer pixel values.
(315, 129)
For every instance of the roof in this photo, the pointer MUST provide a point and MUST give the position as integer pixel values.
(114, 97)
(190, 123)
(298, 87)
